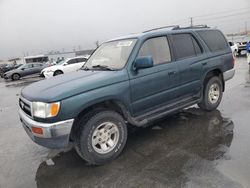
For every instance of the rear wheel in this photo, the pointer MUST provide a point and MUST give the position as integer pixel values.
(15, 76)
(212, 94)
(101, 136)
(58, 72)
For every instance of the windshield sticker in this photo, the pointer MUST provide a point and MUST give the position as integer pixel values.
(124, 43)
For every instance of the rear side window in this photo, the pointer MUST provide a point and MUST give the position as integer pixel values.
(81, 59)
(158, 48)
(72, 61)
(214, 40)
(185, 46)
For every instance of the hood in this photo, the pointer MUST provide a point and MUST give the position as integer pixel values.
(10, 72)
(64, 86)
(53, 68)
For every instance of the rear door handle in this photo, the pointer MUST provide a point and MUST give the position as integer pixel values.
(171, 73)
(204, 63)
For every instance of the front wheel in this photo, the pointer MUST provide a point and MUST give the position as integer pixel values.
(101, 137)
(58, 72)
(212, 94)
(15, 76)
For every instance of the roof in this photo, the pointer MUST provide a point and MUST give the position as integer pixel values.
(35, 56)
(161, 31)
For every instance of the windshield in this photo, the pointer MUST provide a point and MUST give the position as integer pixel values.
(22, 66)
(111, 55)
(61, 62)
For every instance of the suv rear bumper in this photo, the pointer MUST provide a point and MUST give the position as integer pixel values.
(228, 74)
(54, 135)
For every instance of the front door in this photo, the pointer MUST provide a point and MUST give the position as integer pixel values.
(154, 87)
(27, 70)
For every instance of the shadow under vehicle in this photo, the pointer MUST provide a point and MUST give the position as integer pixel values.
(178, 151)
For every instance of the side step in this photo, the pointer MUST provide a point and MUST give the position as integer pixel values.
(161, 112)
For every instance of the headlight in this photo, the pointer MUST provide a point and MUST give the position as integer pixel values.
(45, 110)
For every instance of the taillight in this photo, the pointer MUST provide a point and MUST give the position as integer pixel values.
(234, 60)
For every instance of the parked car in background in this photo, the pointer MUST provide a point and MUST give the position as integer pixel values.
(131, 80)
(24, 70)
(66, 66)
(234, 47)
(242, 48)
(7, 68)
(2, 65)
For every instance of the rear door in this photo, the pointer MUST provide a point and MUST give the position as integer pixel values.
(72, 65)
(157, 86)
(80, 62)
(188, 54)
(27, 70)
(37, 68)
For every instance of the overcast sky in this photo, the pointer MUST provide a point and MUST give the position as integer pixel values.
(38, 26)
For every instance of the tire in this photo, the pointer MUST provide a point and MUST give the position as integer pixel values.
(42, 75)
(58, 72)
(98, 128)
(15, 76)
(212, 94)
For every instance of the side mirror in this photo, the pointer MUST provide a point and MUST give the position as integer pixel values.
(143, 62)
(64, 64)
(22, 68)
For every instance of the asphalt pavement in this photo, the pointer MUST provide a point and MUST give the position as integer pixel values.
(189, 149)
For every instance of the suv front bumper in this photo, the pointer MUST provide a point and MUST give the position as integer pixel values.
(228, 74)
(55, 135)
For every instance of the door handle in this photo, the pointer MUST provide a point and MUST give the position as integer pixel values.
(204, 63)
(171, 73)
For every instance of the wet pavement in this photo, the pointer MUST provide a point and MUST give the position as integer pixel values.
(190, 149)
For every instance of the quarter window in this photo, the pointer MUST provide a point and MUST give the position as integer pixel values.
(81, 60)
(214, 40)
(158, 48)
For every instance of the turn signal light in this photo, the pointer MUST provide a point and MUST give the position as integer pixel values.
(54, 109)
(37, 130)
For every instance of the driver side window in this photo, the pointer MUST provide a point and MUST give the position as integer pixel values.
(158, 48)
(28, 66)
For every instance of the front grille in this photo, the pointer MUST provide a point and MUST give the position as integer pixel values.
(25, 106)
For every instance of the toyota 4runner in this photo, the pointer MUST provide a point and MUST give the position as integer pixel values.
(133, 80)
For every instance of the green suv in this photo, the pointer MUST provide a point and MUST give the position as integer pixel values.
(132, 80)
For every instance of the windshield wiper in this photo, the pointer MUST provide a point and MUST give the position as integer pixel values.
(104, 67)
(84, 68)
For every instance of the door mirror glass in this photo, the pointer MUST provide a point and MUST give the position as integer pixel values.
(144, 62)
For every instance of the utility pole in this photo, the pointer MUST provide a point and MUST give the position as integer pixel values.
(246, 28)
(191, 21)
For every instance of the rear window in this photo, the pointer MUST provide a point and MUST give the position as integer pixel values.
(214, 40)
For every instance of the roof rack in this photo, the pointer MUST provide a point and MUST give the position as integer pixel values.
(192, 27)
(158, 28)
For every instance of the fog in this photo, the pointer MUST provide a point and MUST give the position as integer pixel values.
(38, 26)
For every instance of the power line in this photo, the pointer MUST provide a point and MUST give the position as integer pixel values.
(224, 16)
(211, 15)
(225, 19)
(222, 12)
